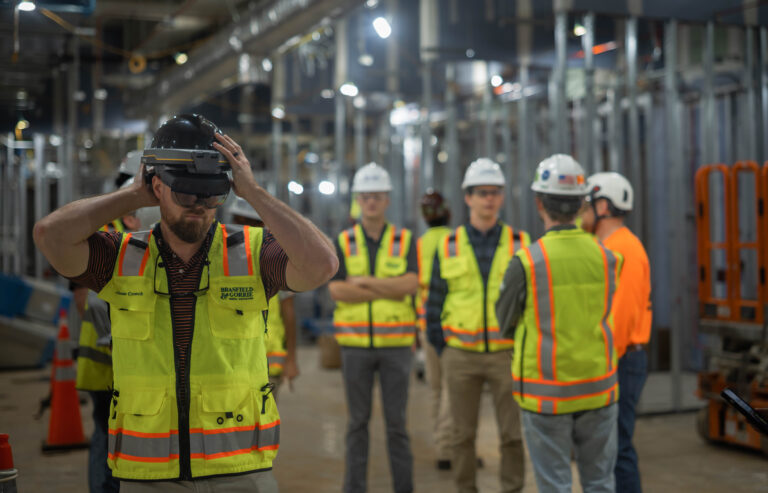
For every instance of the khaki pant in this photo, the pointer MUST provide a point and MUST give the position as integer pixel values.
(440, 410)
(257, 482)
(465, 374)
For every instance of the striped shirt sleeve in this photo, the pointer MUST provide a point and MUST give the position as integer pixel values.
(103, 248)
(272, 263)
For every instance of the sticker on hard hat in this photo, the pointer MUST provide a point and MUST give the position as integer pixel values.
(570, 179)
(545, 175)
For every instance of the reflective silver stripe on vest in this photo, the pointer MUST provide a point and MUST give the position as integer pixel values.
(94, 355)
(396, 237)
(547, 407)
(134, 254)
(237, 255)
(477, 337)
(65, 350)
(276, 360)
(452, 243)
(611, 258)
(543, 302)
(352, 242)
(66, 374)
(209, 444)
(405, 329)
(164, 447)
(561, 391)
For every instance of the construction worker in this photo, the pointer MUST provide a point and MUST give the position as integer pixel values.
(375, 325)
(281, 318)
(192, 400)
(436, 214)
(461, 324)
(609, 201)
(556, 300)
(94, 357)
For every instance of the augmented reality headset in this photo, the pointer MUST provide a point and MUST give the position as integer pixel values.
(190, 171)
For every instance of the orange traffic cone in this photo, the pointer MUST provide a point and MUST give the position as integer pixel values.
(65, 429)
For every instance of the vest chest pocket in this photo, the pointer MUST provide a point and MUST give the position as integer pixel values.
(235, 310)
(356, 265)
(132, 317)
(455, 271)
(393, 267)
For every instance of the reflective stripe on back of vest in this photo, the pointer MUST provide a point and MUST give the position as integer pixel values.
(231, 425)
(382, 322)
(469, 310)
(565, 359)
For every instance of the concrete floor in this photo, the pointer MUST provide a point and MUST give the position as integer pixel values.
(673, 458)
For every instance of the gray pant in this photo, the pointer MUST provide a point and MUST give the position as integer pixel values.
(592, 435)
(358, 366)
(257, 482)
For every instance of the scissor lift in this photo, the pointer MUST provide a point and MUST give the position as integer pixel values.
(732, 246)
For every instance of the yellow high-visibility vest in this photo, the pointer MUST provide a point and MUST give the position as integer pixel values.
(382, 322)
(564, 358)
(469, 310)
(232, 424)
(94, 362)
(427, 246)
(275, 338)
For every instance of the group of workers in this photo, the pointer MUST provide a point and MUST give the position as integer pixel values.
(555, 329)
(184, 345)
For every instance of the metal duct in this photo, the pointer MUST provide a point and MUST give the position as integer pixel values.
(214, 62)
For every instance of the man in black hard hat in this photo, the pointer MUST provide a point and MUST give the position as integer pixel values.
(192, 402)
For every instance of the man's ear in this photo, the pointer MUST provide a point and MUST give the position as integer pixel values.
(157, 186)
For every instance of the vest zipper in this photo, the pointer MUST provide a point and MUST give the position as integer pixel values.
(485, 314)
(182, 407)
(370, 321)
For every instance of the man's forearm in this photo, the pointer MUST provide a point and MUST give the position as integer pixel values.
(62, 235)
(348, 292)
(310, 253)
(393, 287)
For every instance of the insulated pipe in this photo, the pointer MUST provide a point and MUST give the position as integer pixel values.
(635, 173)
(41, 199)
(452, 175)
(588, 44)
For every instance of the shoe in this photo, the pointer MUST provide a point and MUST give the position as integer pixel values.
(443, 465)
(480, 463)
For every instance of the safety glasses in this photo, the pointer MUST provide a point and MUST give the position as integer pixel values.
(189, 200)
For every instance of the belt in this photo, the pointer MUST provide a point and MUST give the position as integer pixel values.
(636, 347)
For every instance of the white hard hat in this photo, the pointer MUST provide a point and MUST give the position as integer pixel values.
(241, 207)
(371, 178)
(147, 216)
(560, 174)
(611, 186)
(131, 162)
(483, 171)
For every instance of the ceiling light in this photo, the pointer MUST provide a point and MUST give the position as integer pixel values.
(349, 89)
(496, 81)
(326, 187)
(311, 158)
(326, 94)
(371, 3)
(55, 140)
(366, 60)
(266, 64)
(470, 53)
(21, 94)
(100, 94)
(27, 6)
(235, 43)
(442, 156)
(278, 112)
(382, 27)
(181, 58)
(22, 124)
(579, 30)
(295, 187)
(359, 102)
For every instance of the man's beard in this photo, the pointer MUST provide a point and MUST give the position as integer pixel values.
(188, 231)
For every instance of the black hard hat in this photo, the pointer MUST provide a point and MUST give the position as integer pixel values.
(183, 156)
(434, 207)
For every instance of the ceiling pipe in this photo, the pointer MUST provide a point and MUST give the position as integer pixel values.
(212, 64)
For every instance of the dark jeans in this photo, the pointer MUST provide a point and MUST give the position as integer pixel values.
(633, 370)
(100, 478)
(358, 367)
